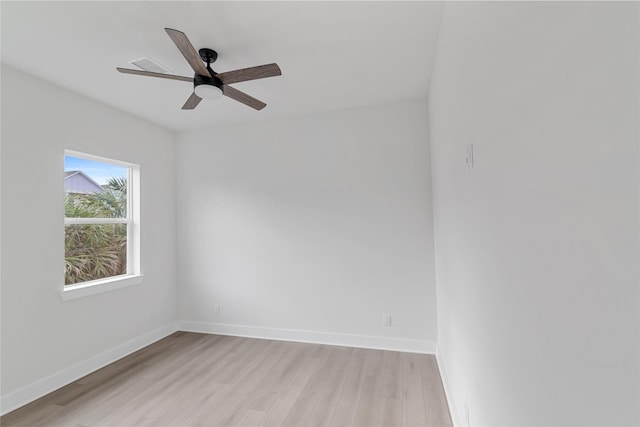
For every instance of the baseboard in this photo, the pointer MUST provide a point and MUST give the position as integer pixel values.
(35, 390)
(453, 410)
(347, 340)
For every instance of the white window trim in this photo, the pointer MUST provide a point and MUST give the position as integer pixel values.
(134, 274)
(84, 289)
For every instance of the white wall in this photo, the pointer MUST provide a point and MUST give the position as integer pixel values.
(537, 246)
(317, 224)
(43, 336)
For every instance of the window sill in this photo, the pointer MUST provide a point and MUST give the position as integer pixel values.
(99, 286)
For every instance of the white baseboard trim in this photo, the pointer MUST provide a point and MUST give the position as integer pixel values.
(453, 410)
(33, 391)
(347, 340)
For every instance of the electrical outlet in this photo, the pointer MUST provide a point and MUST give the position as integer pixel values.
(216, 309)
(386, 320)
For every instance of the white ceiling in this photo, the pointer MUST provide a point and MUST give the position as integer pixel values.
(333, 55)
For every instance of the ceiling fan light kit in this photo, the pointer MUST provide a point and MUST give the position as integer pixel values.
(207, 84)
(208, 91)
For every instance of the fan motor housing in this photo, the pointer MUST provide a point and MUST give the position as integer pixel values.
(204, 80)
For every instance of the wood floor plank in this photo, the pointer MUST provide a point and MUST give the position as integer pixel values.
(234, 372)
(369, 404)
(279, 377)
(98, 389)
(392, 389)
(345, 410)
(251, 418)
(191, 380)
(245, 386)
(328, 397)
(104, 392)
(182, 373)
(413, 406)
(436, 405)
(233, 404)
(304, 368)
(39, 418)
(188, 400)
(304, 405)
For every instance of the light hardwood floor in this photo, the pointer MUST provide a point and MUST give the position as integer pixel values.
(192, 379)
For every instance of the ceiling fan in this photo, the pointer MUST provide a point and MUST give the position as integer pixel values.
(207, 83)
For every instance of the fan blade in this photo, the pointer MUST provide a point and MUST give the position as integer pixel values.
(243, 97)
(188, 51)
(251, 73)
(192, 102)
(152, 74)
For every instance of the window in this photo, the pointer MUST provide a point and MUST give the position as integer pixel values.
(101, 222)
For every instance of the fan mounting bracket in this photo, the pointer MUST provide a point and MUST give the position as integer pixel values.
(208, 55)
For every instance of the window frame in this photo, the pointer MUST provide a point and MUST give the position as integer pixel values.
(134, 275)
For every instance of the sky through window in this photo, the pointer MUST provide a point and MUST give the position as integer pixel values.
(98, 171)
